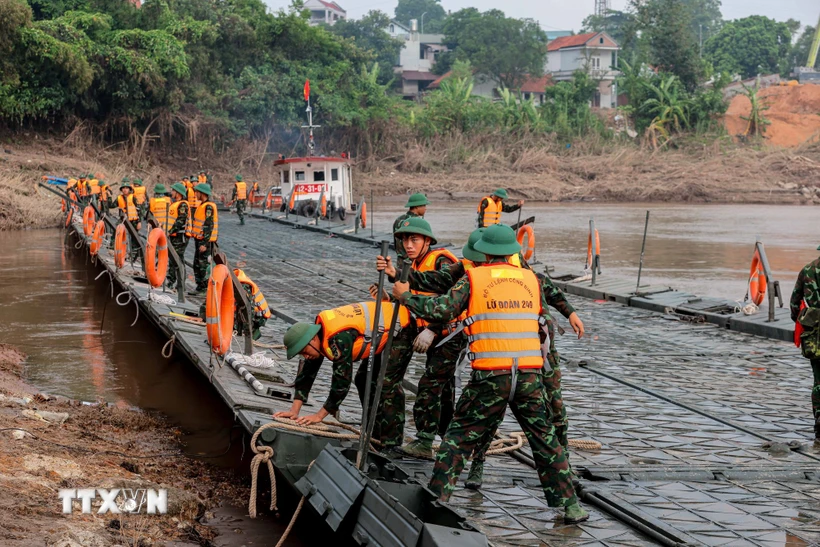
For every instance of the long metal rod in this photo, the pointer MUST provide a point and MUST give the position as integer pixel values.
(770, 282)
(594, 247)
(221, 258)
(371, 213)
(367, 431)
(361, 457)
(643, 250)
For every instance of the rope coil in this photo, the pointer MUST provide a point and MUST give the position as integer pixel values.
(168, 348)
(130, 299)
(517, 439)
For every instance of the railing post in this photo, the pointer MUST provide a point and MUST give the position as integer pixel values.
(595, 257)
(772, 286)
(221, 258)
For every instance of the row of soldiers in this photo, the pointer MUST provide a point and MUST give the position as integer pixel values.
(489, 309)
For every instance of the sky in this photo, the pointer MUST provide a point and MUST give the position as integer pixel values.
(567, 15)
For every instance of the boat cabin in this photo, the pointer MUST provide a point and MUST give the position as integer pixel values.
(302, 181)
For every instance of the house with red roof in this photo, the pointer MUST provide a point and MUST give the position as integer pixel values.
(596, 53)
(324, 12)
(484, 86)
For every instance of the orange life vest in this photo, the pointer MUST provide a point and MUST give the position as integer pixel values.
(503, 318)
(202, 179)
(82, 188)
(428, 264)
(360, 318)
(139, 194)
(198, 225)
(241, 190)
(160, 208)
(93, 187)
(128, 207)
(173, 215)
(492, 213)
(260, 305)
(105, 192)
(193, 203)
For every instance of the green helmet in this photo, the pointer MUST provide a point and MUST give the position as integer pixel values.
(238, 177)
(126, 185)
(501, 193)
(126, 179)
(179, 187)
(417, 200)
(298, 336)
(90, 176)
(498, 240)
(204, 188)
(417, 225)
(137, 182)
(469, 252)
(160, 189)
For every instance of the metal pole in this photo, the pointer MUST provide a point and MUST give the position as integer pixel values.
(371, 213)
(643, 249)
(361, 457)
(770, 283)
(594, 264)
(374, 408)
(244, 302)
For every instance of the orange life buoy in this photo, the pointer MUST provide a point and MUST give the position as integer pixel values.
(156, 257)
(523, 231)
(120, 246)
(324, 206)
(97, 238)
(292, 200)
(364, 214)
(219, 309)
(63, 206)
(589, 247)
(757, 280)
(268, 201)
(68, 217)
(88, 220)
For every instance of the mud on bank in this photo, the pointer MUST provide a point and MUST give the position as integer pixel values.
(51, 443)
(709, 172)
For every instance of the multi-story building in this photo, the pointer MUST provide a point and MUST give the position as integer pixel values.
(596, 53)
(417, 57)
(322, 12)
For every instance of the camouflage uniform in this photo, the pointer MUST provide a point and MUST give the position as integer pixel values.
(397, 239)
(178, 241)
(443, 280)
(807, 288)
(240, 317)
(241, 204)
(482, 406)
(201, 258)
(341, 345)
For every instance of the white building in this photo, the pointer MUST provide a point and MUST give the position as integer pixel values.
(324, 12)
(417, 57)
(595, 53)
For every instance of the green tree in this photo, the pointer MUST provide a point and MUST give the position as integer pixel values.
(434, 14)
(505, 49)
(751, 46)
(666, 39)
(706, 18)
(368, 33)
(799, 54)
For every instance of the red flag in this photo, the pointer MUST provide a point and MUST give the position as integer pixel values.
(307, 90)
(798, 328)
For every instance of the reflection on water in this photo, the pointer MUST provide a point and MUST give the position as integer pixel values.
(52, 309)
(704, 249)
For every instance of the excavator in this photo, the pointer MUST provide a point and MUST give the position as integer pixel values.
(809, 73)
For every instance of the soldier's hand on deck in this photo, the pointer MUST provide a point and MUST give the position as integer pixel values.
(576, 324)
(290, 414)
(385, 264)
(311, 419)
(399, 289)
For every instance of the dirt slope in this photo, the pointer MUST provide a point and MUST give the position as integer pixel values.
(794, 113)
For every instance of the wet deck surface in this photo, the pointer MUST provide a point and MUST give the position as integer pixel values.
(681, 410)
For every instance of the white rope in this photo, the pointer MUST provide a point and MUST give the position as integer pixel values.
(259, 360)
(168, 348)
(236, 360)
(750, 309)
(130, 299)
(160, 298)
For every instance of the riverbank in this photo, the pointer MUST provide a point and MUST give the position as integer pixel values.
(713, 172)
(52, 443)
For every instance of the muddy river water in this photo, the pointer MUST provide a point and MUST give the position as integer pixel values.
(703, 249)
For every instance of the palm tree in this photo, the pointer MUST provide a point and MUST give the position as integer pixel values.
(666, 105)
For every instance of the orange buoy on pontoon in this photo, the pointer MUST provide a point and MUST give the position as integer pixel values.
(97, 238)
(757, 280)
(219, 309)
(68, 217)
(88, 220)
(156, 258)
(120, 246)
(323, 206)
(589, 248)
(526, 231)
(364, 214)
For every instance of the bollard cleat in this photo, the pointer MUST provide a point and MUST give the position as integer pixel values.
(574, 514)
(476, 475)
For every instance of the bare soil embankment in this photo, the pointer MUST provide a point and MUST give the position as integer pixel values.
(717, 172)
(793, 113)
(95, 447)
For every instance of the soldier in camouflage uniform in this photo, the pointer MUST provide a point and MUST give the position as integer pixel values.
(176, 234)
(305, 338)
(443, 280)
(241, 202)
(484, 400)
(805, 309)
(203, 246)
(416, 207)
